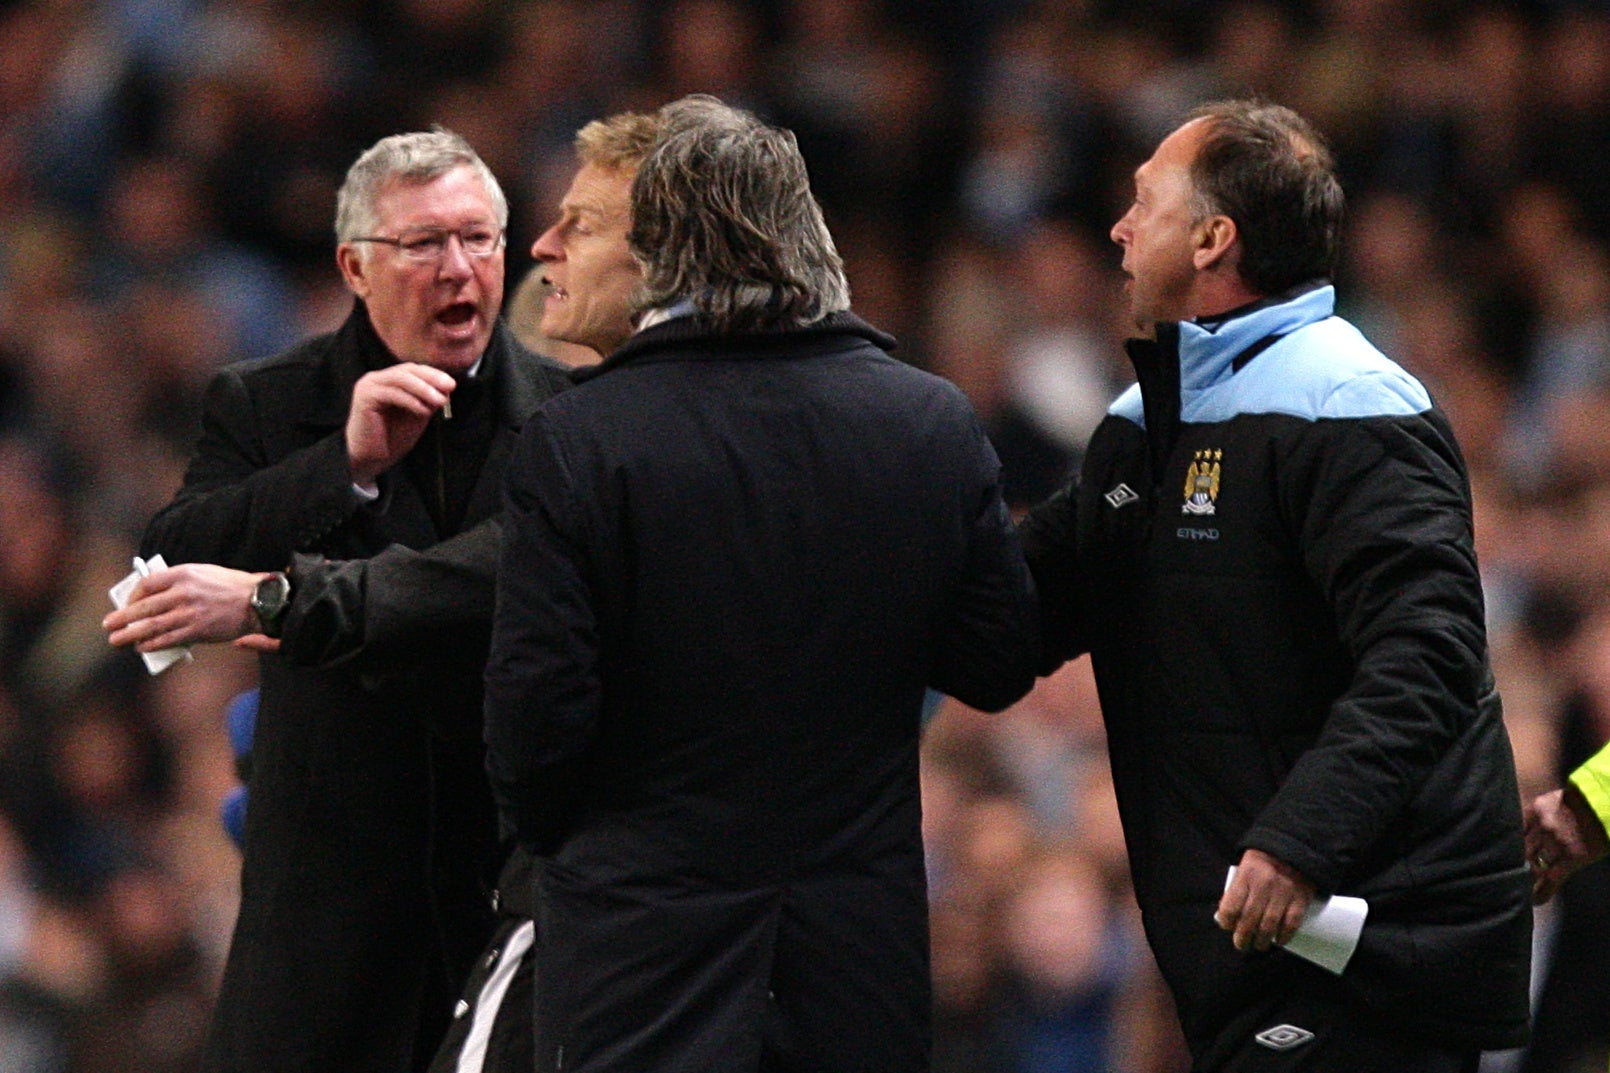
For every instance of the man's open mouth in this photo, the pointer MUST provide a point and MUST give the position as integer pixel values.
(456, 315)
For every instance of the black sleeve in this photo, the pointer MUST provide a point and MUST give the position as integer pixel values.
(239, 507)
(1381, 510)
(384, 610)
(543, 681)
(987, 654)
(1050, 541)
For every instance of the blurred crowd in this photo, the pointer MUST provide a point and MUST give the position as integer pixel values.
(167, 179)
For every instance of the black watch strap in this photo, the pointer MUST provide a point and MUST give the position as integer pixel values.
(270, 600)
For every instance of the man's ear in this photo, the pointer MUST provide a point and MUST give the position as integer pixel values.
(354, 270)
(1215, 238)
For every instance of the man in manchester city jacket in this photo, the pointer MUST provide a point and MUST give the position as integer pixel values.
(1269, 556)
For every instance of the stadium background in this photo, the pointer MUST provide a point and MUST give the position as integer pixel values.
(167, 176)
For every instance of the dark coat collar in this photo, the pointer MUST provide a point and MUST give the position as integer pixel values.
(691, 338)
(520, 379)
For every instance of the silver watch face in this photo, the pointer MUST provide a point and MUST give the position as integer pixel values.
(270, 597)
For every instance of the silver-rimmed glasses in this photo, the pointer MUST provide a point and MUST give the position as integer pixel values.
(427, 244)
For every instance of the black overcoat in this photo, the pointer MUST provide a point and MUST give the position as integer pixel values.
(731, 567)
(370, 833)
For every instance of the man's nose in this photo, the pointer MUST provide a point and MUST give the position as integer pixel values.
(456, 260)
(547, 247)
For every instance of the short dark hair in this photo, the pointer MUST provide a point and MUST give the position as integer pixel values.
(1266, 167)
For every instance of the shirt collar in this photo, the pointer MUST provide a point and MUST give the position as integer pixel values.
(660, 314)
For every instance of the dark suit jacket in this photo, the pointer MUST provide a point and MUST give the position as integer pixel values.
(731, 568)
(370, 833)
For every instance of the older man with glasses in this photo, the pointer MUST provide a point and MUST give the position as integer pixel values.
(339, 516)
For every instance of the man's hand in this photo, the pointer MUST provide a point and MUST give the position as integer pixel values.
(390, 409)
(193, 603)
(1264, 903)
(1562, 835)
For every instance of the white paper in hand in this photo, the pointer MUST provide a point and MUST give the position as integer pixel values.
(160, 660)
(1329, 932)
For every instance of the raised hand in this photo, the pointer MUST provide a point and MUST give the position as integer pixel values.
(390, 409)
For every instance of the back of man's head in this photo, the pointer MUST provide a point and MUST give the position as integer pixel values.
(1270, 171)
(416, 157)
(722, 216)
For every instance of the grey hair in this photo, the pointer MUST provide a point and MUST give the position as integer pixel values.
(722, 216)
(418, 157)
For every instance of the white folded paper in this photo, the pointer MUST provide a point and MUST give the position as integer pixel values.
(1329, 932)
(163, 658)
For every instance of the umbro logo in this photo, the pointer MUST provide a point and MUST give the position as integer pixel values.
(1283, 1037)
(1121, 496)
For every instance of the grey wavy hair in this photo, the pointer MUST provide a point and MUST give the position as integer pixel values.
(417, 157)
(722, 216)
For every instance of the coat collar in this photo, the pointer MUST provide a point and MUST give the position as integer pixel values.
(1210, 348)
(691, 338)
(1189, 357)
(521, 379)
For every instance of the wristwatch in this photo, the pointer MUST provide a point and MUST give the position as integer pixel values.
(270, 600)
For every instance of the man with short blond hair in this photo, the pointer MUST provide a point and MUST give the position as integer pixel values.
(588, 269)
(587, 278)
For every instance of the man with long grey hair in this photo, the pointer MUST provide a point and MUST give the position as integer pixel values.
(339, 514)
(709, 221)
(736, 555)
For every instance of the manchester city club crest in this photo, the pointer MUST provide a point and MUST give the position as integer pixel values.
(1202, 483)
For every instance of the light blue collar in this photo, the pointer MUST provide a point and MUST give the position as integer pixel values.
(1208, 352)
